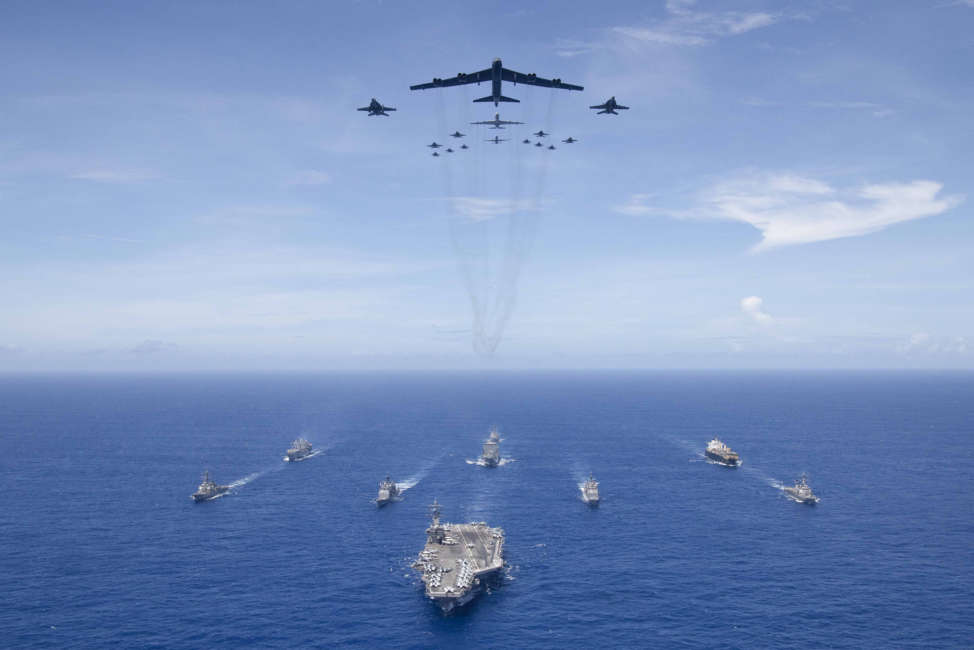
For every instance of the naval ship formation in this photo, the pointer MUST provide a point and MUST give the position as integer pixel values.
(491, 455)
(458, 560)
(300, 449)
(208, 489)
(720, 453)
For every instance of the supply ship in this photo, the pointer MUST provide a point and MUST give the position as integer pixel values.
(458, 560)
(208, 489)
(801, 493)
(491, 455)
(300, 449)
(388, 491)
(720, 453)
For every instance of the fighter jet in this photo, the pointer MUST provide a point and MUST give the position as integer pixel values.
(463, 146)
(569, 140)
(495, 74)
(448, 150)
(526, 141)
(551, 147)
(375, 108)
(538, 144)
(436, 154)
(610, 107)
(457, 134)
(541, 133)
(497, 139)
(434, 145)
(497, 122)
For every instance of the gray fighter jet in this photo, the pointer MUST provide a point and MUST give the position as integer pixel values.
(436, 154)
(495, 74)
(463, 146)
(540, 133)
(497, 139)
(569, 140)
(610, 106)
(375, 108)
(434, 145)
(526, 141)
(551, 147)
(497, 122)
(457, 134)
(538, 144)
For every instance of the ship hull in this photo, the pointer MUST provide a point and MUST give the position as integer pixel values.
(207, 497)
(799, 499)
(726, 461)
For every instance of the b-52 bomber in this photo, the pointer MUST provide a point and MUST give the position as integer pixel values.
(497, 122)
(496, 139)
(375, 108)
(610, 107)
(495, 74)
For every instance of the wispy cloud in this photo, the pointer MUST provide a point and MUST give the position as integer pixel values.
(924, 343)
(791, 209)
(114, 176)
(310, 177)
(685, 25)
(483, 209)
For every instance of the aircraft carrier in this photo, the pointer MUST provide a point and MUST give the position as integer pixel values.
(458, 560)
(721, 454)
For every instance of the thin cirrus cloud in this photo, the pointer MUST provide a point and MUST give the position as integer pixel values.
(789, 209)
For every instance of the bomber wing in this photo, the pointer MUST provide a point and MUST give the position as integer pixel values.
(534, 80)
(459, 80)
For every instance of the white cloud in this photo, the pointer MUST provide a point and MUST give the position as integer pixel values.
(790, 209)
(483, 209)
(923, 344)
(752, 306)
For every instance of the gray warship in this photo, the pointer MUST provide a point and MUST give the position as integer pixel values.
(721, 454)
(209, 490)
(458, 560)
(300, 449)
(801, 493)
(590, 491)
(388, 491)
(491, 455)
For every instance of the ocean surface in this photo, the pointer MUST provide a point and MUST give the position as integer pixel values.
(101, 546)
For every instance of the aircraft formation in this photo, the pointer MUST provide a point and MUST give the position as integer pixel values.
(496, 74)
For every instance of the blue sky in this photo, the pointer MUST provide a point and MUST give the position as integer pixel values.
(187, 185)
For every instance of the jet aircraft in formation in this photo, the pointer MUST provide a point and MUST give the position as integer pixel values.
(541, 133)
(434, 145)
(496, 139)
(376, 108)
(496, 74)
(457, 134)
(497, 122)
(610, 107)
(569, 140)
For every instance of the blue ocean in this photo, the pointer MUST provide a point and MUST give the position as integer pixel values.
(101, 545)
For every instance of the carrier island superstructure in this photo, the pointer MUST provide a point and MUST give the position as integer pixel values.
(458, 560)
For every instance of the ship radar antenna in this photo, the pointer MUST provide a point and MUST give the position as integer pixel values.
(435, 512)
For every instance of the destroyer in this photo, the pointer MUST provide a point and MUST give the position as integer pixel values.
(209, 490)
(801, 493)
(491, 456)
(300, 449)
(458, 560)
(590, 491)
(388, 491)
(720, 453)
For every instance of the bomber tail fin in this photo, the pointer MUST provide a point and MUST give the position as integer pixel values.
(490, 98)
